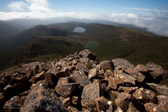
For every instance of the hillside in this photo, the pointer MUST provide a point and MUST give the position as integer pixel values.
(80, 82)
(106, 41)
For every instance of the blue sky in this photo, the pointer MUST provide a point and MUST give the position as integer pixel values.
(150, 14)
(116, 6)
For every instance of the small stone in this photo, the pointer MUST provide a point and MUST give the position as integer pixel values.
(75, 100)
(66, 102)
(72, 109)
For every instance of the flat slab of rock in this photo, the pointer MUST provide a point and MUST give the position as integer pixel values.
(159, 89)
(65, 88)
(41, 99)
(80, 77)
(89, 94)
(122, 64)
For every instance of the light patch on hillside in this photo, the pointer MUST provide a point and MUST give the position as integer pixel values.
(79, 30)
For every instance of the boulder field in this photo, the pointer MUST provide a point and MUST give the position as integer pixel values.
(80, 83)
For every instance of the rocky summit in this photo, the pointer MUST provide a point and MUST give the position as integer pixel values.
(79, 82)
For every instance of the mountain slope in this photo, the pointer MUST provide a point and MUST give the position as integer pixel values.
(57, 40)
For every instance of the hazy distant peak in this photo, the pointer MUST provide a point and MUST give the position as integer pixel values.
(79, 30)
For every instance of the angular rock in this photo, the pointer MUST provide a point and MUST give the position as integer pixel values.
(113, 95)
(160, 90)
(141, 68)
(38, 77)
(66, 102)
(115, 82)
(151, 107)
(87, 54)
(155, 70)
(101, 104)
(65, 88)
(108, 74)
(12, 105)
(110, 109)
(82, 67)
(129, 90)
(80, 77)
(123, 100)
(136, 74)
(163, 101)
(40, 99)
(51, 79)
(75, 100)
(89, 94)
(72, 109)
(93, 73)
(140, 95)
(118, 110)
(128, 80)
(122, 64)
(131, 108)
(106, 65)
(2, 101)
(22, 97)
(29, 69)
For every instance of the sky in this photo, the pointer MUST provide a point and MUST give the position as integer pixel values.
(150, 14)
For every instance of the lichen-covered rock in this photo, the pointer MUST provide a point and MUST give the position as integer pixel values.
(93, 73)
(155, 70)
(12, 105)
(41, 99)
(129, 90)
(141, 68)
(64, 87)
(136, 74)
(122, 64)
(151, 107)
(131, 108)
(122, 101)
(128, 80)
(72, 109)
(163, 101)
(79, 82)
(143, 95)
(115, 82)
(89, 94)
(101, 104)
(80, 77)
(159, 89)
(38, 77)
(106, 65)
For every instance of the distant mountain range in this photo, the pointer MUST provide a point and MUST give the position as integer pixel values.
(47, 42)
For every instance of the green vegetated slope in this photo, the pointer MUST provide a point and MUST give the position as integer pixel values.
(107, 42)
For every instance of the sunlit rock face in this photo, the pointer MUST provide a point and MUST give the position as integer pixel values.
(79, 30)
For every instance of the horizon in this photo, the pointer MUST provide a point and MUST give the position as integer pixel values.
(150, 14)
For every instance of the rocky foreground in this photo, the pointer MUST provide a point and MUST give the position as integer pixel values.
(80, 82)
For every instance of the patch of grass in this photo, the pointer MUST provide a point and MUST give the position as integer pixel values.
(91, 45)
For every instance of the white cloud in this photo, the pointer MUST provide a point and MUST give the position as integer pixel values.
(17, 6)
(38, 5)
(40, 9)
(143, 9)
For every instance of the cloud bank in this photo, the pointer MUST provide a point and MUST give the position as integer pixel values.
(40, 9)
